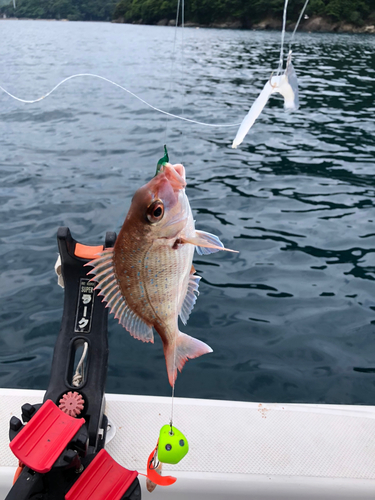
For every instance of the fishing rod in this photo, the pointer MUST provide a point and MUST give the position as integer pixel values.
(60, 442)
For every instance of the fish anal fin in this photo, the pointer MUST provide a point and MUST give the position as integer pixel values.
(190, 297)
(136, 326)
(105, 276)
(186, 347)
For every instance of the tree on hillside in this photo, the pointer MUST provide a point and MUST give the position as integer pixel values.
(85, 10)
(246, 11)
(206, 12)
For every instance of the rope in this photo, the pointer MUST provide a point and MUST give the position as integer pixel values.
(78, 375)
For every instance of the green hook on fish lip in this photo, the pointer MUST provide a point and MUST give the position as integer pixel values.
(163, 161)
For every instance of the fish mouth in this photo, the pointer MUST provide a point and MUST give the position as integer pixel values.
(175, 175)
(183, 215)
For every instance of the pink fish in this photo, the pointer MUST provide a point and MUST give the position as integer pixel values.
(148, 279)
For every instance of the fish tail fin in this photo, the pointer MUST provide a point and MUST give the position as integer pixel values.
(177, 354)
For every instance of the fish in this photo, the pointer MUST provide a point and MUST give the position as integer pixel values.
(148, 279)
(285, 84)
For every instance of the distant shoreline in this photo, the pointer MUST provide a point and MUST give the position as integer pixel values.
(49, 20)
(315, 24)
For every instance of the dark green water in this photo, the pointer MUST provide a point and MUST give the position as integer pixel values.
(291, 318)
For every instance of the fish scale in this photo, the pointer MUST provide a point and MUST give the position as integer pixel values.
(168, 273)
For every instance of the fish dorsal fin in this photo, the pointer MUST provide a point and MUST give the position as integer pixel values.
(104, 275)
(190, 298)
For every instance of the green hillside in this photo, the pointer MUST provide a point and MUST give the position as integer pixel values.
(204, 12)
(74, 10)
(247, 12)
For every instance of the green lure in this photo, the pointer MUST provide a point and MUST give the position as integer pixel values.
(162, 161)
(173, 445)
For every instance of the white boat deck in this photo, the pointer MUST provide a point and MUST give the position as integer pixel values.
(237, 450)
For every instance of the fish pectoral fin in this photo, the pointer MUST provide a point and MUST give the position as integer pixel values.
(104, 275)
(206, 243)
(184, 348)
(190, 297)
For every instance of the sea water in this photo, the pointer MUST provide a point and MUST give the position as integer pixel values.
(291, 318)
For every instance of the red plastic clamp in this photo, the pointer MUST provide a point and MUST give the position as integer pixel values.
(104, 479)
(40, 443)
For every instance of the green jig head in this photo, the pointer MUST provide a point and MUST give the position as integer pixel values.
(162, 161)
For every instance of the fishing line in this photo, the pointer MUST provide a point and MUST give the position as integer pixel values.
(172, 68)
(174, 383)
(174, 347)
(183, 73)
(296, 26)
(182, 54)
(182, 110)
(166, 137)
(92, 75)
(171, 115)
(279, 69)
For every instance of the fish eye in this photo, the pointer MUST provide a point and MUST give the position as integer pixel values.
(155, 211)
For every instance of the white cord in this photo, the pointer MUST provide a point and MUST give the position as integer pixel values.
(78, 375)
(122, 88)
(227, 125)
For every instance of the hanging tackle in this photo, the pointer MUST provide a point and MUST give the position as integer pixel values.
(285, 84)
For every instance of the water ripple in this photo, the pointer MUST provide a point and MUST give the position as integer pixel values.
(291, 317)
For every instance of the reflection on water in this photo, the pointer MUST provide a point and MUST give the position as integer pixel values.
(292, 316)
